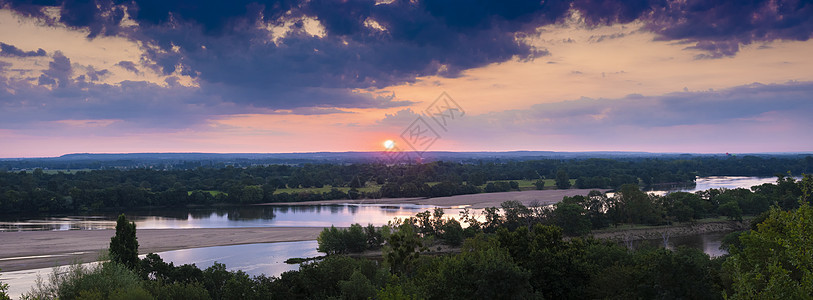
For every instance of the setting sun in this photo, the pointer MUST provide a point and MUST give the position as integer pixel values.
(389, 144)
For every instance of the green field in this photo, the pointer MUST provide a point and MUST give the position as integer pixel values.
(212, 192)
(550, 184)
(369, 188)
(55, 171)
(366, 189)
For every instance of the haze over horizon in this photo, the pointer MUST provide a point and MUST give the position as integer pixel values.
(310, 76)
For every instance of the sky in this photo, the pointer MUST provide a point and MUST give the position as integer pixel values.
(242, 76)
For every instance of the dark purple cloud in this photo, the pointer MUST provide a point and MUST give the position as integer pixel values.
(720, 26)
(11, 50)
(222, 44)
(93, 74)
(59, 72)
(136, 106)
(129, 66)
(225, 46)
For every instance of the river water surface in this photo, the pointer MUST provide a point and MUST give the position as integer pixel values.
(268, 258)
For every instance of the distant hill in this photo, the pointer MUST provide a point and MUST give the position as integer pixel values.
(193, 160)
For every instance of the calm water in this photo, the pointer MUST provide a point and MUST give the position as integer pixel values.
(288, 216)
(717, 182)
(247, 216)
(254, 259)
(269, 259)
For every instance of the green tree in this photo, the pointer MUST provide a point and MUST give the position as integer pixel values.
(339, 241)
(516, 214)
(451, 232)
(4, 291)
(477, 178)
(409, 189)
(775, 261)
(637, 207)
(124, 245)
(731, 210)
(572, 218)
(108, 280)
(539, 184)
(403, 248)
(358, 287)
(488, 273)
(251, 194)
(562, 180)
(390, 190)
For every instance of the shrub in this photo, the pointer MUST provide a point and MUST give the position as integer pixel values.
(352, 240)
(108, 280)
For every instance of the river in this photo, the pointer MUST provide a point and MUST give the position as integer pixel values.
(268, 258)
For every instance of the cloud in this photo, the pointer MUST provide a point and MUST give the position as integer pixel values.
(11, 50)
(416, 41)
(401, 118)
(227, 46)
(586, 116)
(291, 54)
(93, 74)
(129, 66)
(59, 71)
(59, 95)
(717, 27)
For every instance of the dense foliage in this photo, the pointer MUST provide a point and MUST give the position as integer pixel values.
(48, 191)
(512, 255)
(351, 240)
(775, 261)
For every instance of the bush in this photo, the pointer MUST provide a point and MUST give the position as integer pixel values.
(476, 274)
(108, 280)
(452, 232)
(731, 210)
(177, 291)
(357, 287)
(4, 291)
(539, 184)
(352, 240)
(572, 219)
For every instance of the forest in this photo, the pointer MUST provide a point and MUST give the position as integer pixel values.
(44, 191)
(521, 253)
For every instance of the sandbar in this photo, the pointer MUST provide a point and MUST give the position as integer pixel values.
(26, 250)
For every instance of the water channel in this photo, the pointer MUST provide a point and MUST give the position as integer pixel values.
(268, 258)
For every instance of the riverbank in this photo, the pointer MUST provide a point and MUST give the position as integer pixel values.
(43, 249)
(474, 201)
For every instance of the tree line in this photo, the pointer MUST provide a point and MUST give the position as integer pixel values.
(39, 191)
(502, 257)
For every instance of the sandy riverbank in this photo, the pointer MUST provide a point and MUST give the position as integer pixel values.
(482, 200)
(42, 249)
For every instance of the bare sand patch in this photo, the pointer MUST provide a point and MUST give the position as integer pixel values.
(42, 249)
